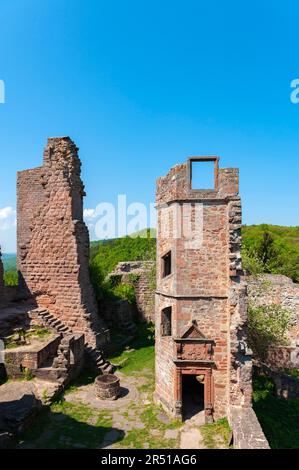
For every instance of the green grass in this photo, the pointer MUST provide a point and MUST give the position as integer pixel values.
(278, 417)
(142, 355)
(68, 425)
(217, 434)
(36, 332)
(152, 435)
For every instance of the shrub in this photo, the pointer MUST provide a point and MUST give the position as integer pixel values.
(125, 292)
(11, 278)
(267, 327)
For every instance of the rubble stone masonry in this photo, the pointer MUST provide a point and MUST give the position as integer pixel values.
(53, 241)
(205, 291)
(144, 285)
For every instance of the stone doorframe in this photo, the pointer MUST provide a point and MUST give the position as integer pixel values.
(208, 389)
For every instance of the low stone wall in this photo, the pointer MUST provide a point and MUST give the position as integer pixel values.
(30, 357)
(286, 385)
(269, 289)
(19, 407)
(247, 431)
(272, 289)
(284, 357)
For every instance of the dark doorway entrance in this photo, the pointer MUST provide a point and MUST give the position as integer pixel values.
(192, 396)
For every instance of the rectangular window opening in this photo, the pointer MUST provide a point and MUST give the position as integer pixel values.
(166, 322)
(202, 174)
(166, 264)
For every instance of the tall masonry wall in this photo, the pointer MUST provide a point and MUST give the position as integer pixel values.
(205, 290)
(53, 240)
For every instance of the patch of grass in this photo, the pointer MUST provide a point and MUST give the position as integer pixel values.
(36, 332)
(150, 418)
(278, 417)
(149, 386)
(68, 425)
(143, 354)
(152, 435)
(143, 439)
(39, 332)
(217, 434)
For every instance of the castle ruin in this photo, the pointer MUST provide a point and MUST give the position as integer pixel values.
(201, 308)
(53, 240)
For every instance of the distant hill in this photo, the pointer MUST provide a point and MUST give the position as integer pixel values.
(287, 235)
(105, 254)
(266, 249)
(282, 253)
(9, 261)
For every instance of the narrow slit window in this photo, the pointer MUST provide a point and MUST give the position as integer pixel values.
(202, 174)
(166, 321)
(166, 264)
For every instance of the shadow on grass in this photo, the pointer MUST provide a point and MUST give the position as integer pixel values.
(139, 354)
(278, 417)
(69, 426)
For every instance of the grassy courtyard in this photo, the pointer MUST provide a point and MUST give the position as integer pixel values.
(79, 420)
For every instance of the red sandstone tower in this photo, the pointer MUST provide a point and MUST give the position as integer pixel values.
(201, 308)
(53, 241)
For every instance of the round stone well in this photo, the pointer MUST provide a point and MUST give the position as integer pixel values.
(107, 387)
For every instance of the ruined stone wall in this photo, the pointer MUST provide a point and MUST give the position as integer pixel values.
(274, 289)
(53, 241)
(270, 289)
(205, 287)
(141, 274)
(247, 430)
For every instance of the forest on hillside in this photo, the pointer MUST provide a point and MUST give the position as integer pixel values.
(266, 249)
(271, 249)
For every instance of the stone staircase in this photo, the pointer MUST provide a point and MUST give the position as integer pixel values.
(96, 355)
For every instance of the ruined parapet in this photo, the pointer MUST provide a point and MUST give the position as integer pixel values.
(247, 430)
(201, 299)
(53, 240)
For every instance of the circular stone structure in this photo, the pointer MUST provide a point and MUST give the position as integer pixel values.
(107, 387)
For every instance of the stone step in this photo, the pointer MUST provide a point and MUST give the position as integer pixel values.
(63, 329)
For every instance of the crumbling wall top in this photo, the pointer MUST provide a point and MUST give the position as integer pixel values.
(177, 184)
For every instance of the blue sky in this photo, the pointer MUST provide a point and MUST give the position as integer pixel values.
(142, 85)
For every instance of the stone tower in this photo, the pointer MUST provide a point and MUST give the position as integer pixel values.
(201, 308)
(53, 241)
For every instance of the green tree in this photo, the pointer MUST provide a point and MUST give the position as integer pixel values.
(267, 326)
